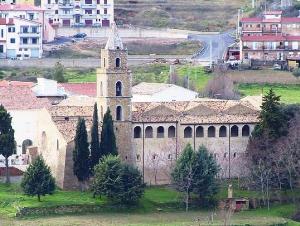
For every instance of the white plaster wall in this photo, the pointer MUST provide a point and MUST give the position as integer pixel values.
(25, 125)
(174, 93)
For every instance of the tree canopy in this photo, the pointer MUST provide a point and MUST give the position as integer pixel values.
(95, 143)
(108, 139)
(81, 152)
(7, 139)
(38, 180)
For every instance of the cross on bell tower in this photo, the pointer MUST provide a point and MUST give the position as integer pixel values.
(114, 83)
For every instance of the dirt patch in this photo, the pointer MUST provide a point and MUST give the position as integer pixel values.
(268, 76)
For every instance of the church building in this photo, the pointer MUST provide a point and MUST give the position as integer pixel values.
(150, 135)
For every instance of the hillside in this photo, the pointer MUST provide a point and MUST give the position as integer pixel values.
(204, 15)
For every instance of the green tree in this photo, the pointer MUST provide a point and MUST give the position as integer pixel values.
(183, 173)
(7, 140)
(108, 138)
(271, 119)
(117, 181)
(206, 170)
(58, 73)
(133, 187)
(95, 145)
(38, 180)
(107, 180)
(81, 153)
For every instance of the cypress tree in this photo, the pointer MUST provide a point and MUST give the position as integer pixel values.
(272, 120)
(108, 138)
(38, 180)
(81, 153)
(7, 140)
(95, 145)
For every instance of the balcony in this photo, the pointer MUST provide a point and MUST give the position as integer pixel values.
(88, 6)
(89, 16)
(29, 46)
(271, 30)
(29, 34)
(66, 16)
(65, 5)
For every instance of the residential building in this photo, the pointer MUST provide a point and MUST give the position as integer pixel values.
(270, 37)
(20, 38)
(22, 2)
(79, 13)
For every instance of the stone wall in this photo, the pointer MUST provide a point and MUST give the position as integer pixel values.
(155, 157)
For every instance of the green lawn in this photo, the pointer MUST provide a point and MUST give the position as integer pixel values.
(289, 93)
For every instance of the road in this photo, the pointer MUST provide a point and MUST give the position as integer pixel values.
(219, 43)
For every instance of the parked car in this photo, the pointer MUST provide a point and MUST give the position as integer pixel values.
(80, 35)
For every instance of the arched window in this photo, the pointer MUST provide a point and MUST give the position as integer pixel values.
(119, 89)
(149, 132)
(104, 62)
(119, 113)
(211, 132)
(171, 132)
(234, 131)
(222, 131)
(234, 155)
(188, 132)
(137, 132)
(101, 89)
(225, 155)
(118, 62)
(160, 132)
(199, 131)
(246, 131)
(57, 144)
(26, 143)
(44, 141)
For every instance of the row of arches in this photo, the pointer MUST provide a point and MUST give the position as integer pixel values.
(188, 131)
(137, 132)
(211, 131)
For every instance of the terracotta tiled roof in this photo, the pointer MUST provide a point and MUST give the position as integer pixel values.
(20, 98)
(4, 83)
(88, 89)
(19, 7)
(202, 112)
(66, 118)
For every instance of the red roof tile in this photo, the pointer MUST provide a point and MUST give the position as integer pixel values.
(19, 7)
(21, 98)
(88, 89)
(4, 22)
(4, 83)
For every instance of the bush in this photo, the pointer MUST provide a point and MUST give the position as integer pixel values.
(296, 72)
(119, 182)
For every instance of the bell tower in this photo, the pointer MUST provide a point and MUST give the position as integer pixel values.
(114, 83)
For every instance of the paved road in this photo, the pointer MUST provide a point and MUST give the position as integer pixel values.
(219, 43)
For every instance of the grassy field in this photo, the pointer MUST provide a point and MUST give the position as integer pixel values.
(159, 206)
(290, 94)
(204, 15)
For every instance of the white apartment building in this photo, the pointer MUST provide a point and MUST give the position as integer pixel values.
(20, 38)
(79, 13)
